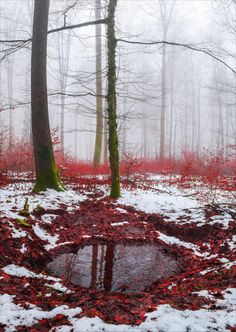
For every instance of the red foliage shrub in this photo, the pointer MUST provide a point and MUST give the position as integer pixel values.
(214, 167)
(17, 159)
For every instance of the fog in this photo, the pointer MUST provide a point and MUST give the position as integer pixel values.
(197, 86)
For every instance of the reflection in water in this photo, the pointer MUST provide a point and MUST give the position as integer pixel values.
(115, 267)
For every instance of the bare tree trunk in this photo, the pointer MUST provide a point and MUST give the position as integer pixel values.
(199, 122)
(64, 53)
(10, 91)
(111, 102)
(76, 135)
(124, 125)
(163, 102)
(193, 117)
(99, 116)
(47, 175)
(166, 14)
(185, 117)
(172, 102)
(220, 133)
(105, 120)
(105, 147)
(212, 111)
(144, 133)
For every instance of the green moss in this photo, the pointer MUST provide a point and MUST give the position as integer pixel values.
(25, 211)
(47, 174)
(115, 189)
(111, 102)
(22, 222)
(48, 179)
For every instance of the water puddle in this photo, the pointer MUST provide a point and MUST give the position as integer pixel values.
(115, 267)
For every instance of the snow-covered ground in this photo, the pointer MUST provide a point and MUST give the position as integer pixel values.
(181, 206)
(173, 203)
(164, 318)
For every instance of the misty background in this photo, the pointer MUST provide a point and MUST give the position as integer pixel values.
(199, 91)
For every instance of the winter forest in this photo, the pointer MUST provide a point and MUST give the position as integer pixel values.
(118, 165)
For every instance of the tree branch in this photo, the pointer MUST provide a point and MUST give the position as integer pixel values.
(80, 25)
(188, 46)
(67, 27)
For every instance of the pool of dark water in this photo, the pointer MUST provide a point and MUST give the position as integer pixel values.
(115, 267)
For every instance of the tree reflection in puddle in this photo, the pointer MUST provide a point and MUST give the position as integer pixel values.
(115, 267)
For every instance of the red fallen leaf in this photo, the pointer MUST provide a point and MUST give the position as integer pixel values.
(59, 317)
(118, 319)
(92, 312)
(6, 276)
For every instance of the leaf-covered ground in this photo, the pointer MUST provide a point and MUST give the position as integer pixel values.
(190, 219)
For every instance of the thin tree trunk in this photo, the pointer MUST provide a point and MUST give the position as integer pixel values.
(163, 102)
(99, 115)
(166, 11)
(105, 147)
(10, 91)
(199, 122)
(193, 117)
(172, 102)
(64, 53)
(47, 175)
(105, 120)
(124, 143)
(111, 102)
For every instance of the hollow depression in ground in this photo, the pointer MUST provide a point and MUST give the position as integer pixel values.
(115, 267)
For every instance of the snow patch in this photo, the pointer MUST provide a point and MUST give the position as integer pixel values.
(13, 315)
(43, 235)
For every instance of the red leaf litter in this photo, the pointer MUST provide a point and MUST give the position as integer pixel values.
(210, 267)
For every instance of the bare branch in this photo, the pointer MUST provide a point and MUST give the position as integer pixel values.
(68, 27)
(80, 25)
(188, 46)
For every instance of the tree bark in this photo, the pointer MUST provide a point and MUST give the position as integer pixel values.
(47, 175)
(113, 144)
(63, 62)
(99, 115)
(163, 102)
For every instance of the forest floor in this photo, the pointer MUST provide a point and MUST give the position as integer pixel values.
(190, 220)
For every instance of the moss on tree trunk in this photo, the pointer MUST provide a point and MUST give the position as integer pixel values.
(111, 101)
(47, 175)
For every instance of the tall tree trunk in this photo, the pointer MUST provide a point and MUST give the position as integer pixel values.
(172, 102)
(186, 113)
(47, 175)
(105, 138)
(63, 62)
(193, 117)
(166, 11)
(124, 124)
(10, 91)
(111, 102)
(199, 121)
(99, 115)
(76, 135)
(163, 102)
